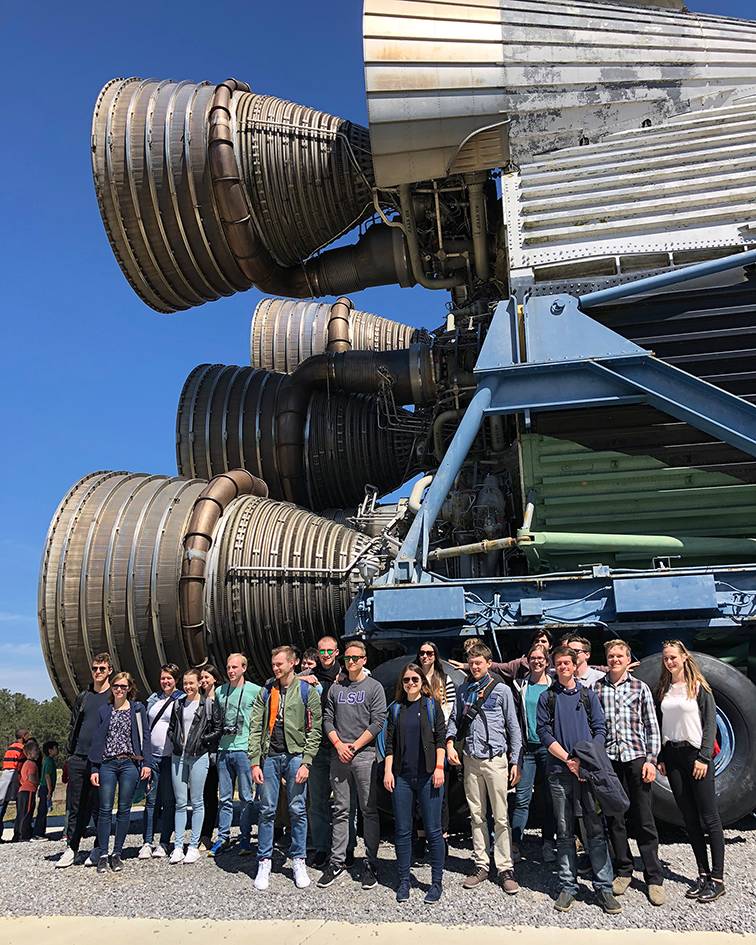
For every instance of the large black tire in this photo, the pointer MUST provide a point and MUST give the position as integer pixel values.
(735, 766)
(387, 674)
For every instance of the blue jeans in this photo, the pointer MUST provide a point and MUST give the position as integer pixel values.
(159, 803)
(566, 793)
(275, 768)
(188, 775)
(125, 774)
(234, 766)
(534, 760)
(407, 794)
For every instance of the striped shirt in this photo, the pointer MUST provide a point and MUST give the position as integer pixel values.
(632, 729)
(14, 757)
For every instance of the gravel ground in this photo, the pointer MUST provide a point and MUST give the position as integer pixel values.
(222, 889)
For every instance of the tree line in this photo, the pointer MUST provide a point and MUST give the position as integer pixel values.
(45, 720)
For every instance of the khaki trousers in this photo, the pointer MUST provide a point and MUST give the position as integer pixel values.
(487, 781)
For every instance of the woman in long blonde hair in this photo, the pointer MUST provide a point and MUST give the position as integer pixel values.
(688, 727)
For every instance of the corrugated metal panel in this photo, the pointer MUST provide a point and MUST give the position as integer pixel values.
(582, 490)
(631, 202)
(712, 335)
(533, 76)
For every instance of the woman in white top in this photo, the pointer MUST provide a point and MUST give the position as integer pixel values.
(687, 716)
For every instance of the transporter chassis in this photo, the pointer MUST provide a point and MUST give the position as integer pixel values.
(547, 353)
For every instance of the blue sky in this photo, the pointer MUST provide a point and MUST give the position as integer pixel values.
(91, 376)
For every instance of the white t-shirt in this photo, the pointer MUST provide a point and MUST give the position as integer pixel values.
(681, 718)
(161, 744)
(591, 677)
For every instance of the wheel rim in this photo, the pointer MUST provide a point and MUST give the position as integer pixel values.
(726, 739)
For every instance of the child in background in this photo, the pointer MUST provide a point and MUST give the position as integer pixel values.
(47, 782)
(27, 792)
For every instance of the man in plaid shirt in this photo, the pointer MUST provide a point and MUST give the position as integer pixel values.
(633, 742)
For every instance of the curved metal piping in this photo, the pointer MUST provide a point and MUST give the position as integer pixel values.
(348, 269)
(338, 337)
(413, 246)
(208, 508)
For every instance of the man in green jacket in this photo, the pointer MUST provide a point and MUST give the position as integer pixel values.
(284, 736)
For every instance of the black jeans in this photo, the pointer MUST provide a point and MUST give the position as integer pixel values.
(698, 805)
(211, 800)
(82, 800)
(22, 829)
(640, 819)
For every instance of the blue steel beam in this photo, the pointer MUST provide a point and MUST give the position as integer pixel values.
(665, 279)
(406, 562)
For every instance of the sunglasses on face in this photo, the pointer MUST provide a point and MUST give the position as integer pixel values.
(411, 680)
(354, 659)
(100, 669)
(427, 653)
(326, 652)
(119, 686)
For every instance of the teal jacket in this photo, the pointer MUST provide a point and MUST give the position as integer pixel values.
(300, 739)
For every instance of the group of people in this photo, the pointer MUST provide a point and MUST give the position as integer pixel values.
(28, 777)
(324, 736)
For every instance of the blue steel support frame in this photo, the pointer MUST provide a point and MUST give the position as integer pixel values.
(570, 361)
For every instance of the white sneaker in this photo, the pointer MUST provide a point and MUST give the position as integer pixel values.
(177, 856)
(145, 853)
(159, 851)
(94, 857)
(192, 855)
(301, 879)
(66, 859)
(263, 874)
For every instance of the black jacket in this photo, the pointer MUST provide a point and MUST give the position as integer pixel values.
(432, 738)
(204, 732)
(707, 709)
(597, 770)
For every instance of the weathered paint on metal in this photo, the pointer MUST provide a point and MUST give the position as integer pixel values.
(635, 203)
(456, 87)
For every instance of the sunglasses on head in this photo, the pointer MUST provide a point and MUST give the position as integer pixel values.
(410, 679)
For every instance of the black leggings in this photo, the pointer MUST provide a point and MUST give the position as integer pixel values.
(698, 806)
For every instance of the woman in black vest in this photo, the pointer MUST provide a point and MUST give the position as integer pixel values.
(414, 774)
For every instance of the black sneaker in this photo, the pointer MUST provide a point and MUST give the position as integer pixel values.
(369, 879)
(349, 859)
(609, 902)
(116, 863)
(403, 890)
(697, 888)
(433, 894)
(330, 876)
(102, 865)
(713, 890)
(565, 901)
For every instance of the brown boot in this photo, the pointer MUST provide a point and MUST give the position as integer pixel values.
(475, 879)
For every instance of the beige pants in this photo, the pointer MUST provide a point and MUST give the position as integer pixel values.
(488, 781)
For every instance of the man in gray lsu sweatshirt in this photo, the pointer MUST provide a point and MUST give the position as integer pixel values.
(354, 713)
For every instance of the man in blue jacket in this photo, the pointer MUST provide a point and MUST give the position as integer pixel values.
(568, 713)
(484, 720)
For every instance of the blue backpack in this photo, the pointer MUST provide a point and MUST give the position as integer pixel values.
(393, 710)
